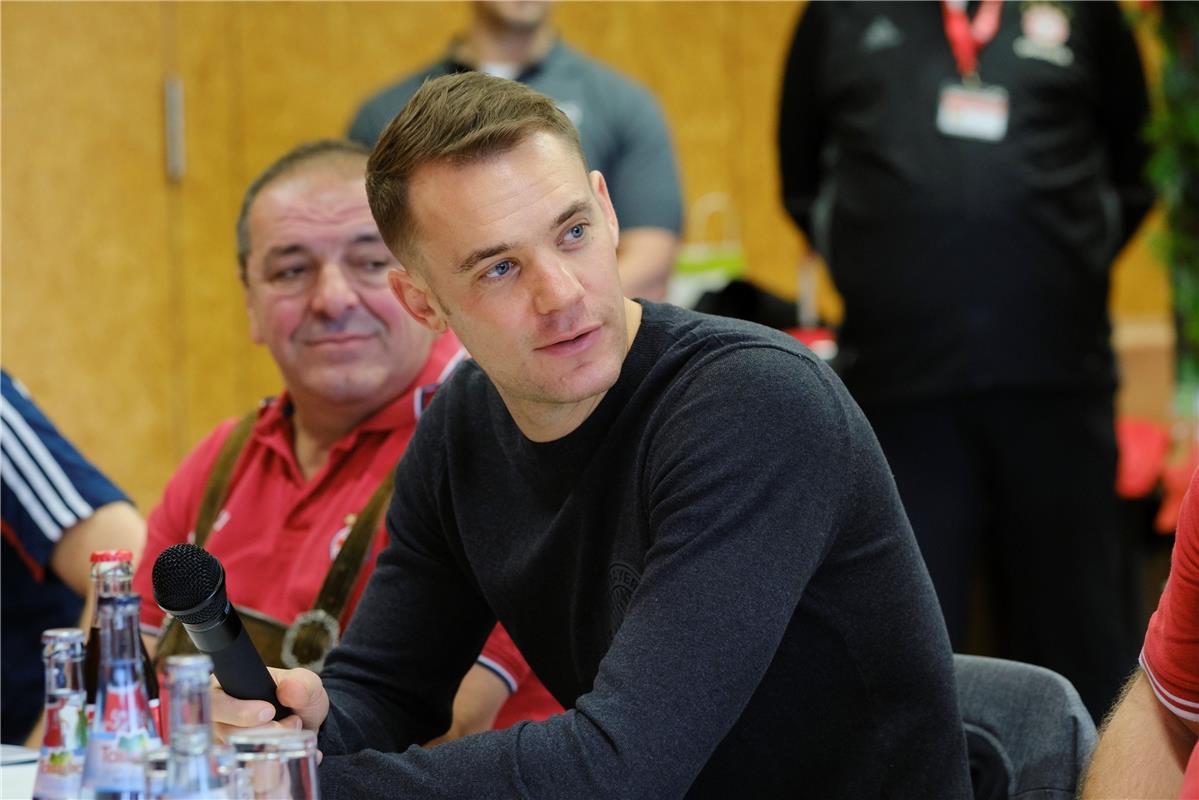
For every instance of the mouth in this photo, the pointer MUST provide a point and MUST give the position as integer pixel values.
(339, 340)
(571, 343)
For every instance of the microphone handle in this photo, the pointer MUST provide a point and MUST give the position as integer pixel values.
(242, 674)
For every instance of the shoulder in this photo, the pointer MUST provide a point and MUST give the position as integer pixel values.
(614, 86)
(381, 107)
(193, 471)
(704, 369)
(734, 347)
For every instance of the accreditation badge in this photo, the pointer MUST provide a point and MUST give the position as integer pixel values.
(973, 112)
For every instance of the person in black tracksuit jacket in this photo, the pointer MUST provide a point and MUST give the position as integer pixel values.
(973, 258)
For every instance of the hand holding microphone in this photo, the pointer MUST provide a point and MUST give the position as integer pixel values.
(189, 584)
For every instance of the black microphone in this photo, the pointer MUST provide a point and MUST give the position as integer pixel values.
(189, 584)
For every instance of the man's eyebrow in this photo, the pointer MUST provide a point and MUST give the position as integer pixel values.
(474, 258)
(285, 250)
(575, 208)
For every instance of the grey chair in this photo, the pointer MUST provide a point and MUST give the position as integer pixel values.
(1028, 733)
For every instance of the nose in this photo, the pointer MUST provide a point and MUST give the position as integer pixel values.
(556, 286)
(333, 293)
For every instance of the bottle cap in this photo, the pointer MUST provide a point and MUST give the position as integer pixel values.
(62, 636)
(111, 555)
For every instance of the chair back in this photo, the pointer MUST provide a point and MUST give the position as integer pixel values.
(1027, 731)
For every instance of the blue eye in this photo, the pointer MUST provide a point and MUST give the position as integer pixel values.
(577, 231)
(499, 270)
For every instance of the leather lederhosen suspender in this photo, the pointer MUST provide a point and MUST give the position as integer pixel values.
(309, 638)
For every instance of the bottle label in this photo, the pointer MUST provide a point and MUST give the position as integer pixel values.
(114, 760)
(121, 735)
(64, 745)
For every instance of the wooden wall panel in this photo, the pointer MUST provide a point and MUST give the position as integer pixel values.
(121, 306)
(87, 301)
(221, 370)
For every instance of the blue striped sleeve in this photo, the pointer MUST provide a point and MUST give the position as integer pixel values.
(46, 485)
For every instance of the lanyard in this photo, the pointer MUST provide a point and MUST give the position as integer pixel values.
(966, 36)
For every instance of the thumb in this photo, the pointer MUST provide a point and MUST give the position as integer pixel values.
(301, 690)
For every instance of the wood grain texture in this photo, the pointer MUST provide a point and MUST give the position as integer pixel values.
(121, 306)
(87, 300)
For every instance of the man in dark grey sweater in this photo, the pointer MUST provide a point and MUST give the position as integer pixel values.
(684, 522)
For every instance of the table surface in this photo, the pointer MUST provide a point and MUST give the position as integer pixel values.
(18, 769)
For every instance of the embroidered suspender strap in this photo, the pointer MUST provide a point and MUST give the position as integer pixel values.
(314, 633)
(217, 487)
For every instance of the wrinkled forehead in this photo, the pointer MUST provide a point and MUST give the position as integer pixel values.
(319, 202)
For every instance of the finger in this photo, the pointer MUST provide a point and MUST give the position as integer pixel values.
(222, 732)
(239, 713)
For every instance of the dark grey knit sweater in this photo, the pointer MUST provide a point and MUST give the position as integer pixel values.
(713, 574)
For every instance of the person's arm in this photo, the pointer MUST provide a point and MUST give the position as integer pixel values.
(1123, 113)
(1145, 743)
(643, 182)
(60, 506)
(479, 699)
(1142, 751)
(116, 526)
(645, 259)
(801, 131)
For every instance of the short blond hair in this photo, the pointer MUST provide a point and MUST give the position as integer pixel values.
(458, 118)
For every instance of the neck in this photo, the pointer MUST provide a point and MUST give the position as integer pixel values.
(491, 42)
(315, 430)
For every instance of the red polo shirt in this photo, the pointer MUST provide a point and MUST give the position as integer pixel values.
(278, 532)
(1171, 653)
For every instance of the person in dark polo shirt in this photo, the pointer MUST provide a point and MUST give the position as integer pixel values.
(622, 128)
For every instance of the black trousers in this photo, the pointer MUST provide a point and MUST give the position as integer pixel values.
(1022, 484)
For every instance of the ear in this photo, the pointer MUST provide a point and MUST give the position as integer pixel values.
(600, 187)
(417, 299)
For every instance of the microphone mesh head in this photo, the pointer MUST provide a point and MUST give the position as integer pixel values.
(186, 581)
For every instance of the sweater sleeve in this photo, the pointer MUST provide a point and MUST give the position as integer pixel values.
(741, 514)
(1123, 114)
(47, 485)
(801, 130)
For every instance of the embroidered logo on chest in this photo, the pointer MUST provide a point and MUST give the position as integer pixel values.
(881, 34)
(340, 536)
(622, 582)
(1045, 28)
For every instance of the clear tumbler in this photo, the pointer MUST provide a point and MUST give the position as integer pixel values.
(275, 763)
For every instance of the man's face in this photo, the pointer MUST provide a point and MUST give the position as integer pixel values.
(525, 15)
(317, 291)
(517, 253)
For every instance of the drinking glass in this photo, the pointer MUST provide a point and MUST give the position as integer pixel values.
(275, 764)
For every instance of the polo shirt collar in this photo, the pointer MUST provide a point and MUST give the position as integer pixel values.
(452, 65)
(274, 426)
